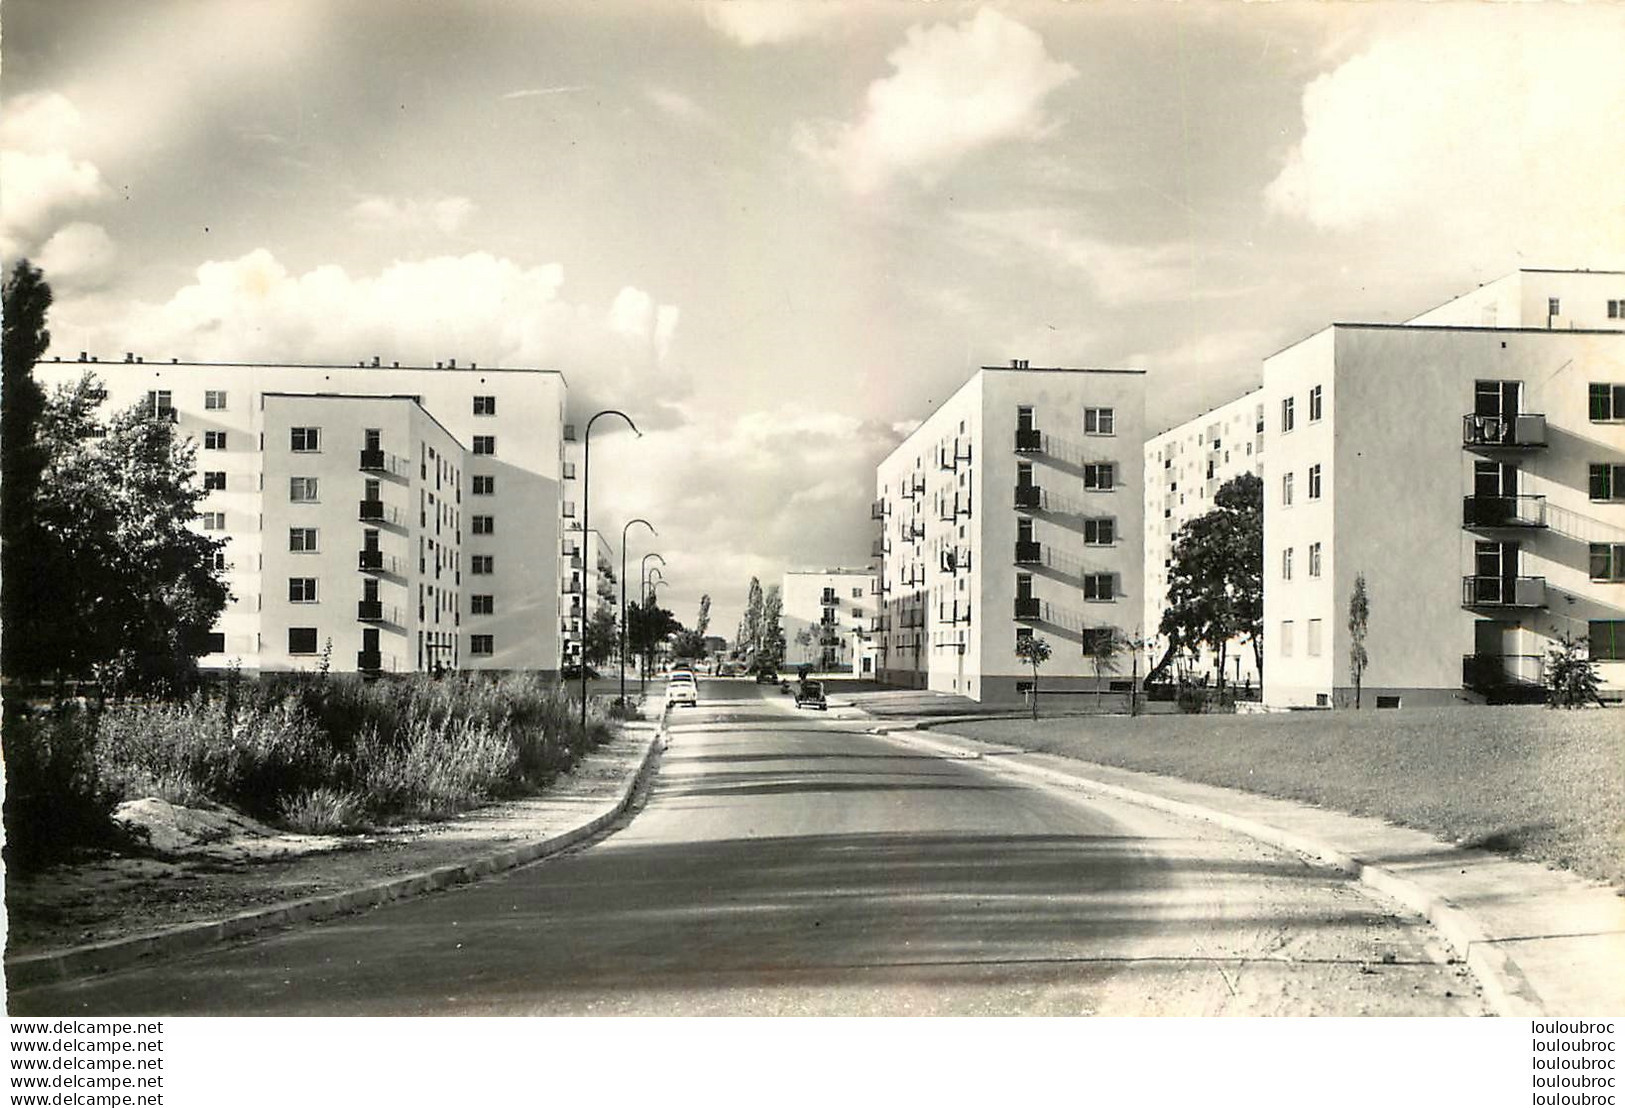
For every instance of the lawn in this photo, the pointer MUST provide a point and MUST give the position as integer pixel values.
(1539, 784)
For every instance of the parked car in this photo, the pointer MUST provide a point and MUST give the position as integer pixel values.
(573, 673)
(811, 695)
(766, 676)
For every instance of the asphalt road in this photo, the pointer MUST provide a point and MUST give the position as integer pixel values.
(788, 863)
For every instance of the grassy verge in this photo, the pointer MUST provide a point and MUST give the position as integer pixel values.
(313, 754)
(1530, 782)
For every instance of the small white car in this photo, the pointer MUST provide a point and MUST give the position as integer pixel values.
(682, 691)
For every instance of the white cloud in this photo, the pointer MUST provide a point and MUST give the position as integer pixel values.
(79, 256)
(446, 214)
(39, 188)
(475, 308)
(1486, 123)
(770, 22)
(954, 89)
(1120, 273)
(679, 107)
(38, 121)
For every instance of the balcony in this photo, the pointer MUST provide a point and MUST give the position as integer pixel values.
(879, 623)
(1491, 513)
(879, 548)
(915, 530)
(917, 488)
(1029, 497)
(373, 461)
(1029, 608)
(376, 611)
(877, 510)
(878, 587)
(1029, 441)
(1505, 678)
(369, 661)
(1029, 553)
(1497, 434)
(376, 511)
(569, 586)
(569, 432)
(376, 561)
(1516, 593)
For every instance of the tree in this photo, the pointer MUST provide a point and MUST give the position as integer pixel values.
(1571, 677)
(1035, 651)
(23, 562)
(1359, 620)
(750, 630)
(647, 626)
(600, 636)
(1104, 647)
(1216, 581)
(770, 650)
(702, 622)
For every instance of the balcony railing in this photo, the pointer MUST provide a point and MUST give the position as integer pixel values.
(1029, 441)
(376, 561)
(917, 488)
(1029, 553)
(369, 661)
(569, 586)
(1492, 512)
(878, 587)
(1029, 608)
(915, 529)
(376, 511)
(878, 510)
(1496, 433)
(376, 611)
(879, 623)
(372, 460)
(879, 548)
(1030, 497)
(1488, 671)
(1503, 592)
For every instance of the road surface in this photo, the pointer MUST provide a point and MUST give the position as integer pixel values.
(792, 863)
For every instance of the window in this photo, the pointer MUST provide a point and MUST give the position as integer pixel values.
(1607, 640)
(220, 563)
(301, 640)
(1607, 481)
(485, 405)
(214, 440)
(1608, 561)
(1099, 475)
(1098, 421)
(1314, 559)
(485, 486)
(1314, 404)
(215, 643)
(1312, 639)
(1022, 634)
(214, 400)
(1100, 532)
(301, 590)
(857, 594)
(302, 540)
(305, 440)
(214, 479)
(482, 646)
(1616, 309)
(1554, 306)
(1286, 490)
(1286, 415)
(482, 604)
(485, 444)
(1286, 638)
(302, 490)
(1099, 586)
(214, 521)
(485, 525)
(161, 403)
(1607, 401)
(1286, 564)
(1314, 482)
(482, 564)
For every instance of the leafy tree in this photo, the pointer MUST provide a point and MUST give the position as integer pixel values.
(600, 636)
(1359, 620)
(1104, 647)
(1216, 581)
(750, 631)
(23, 562)
(647, 626)
(702, 622)
(1572, 680)
(1035, 651)
(770, 650)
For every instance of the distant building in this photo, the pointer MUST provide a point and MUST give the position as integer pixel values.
(1013, 510)
(385, 519)
(829, 620)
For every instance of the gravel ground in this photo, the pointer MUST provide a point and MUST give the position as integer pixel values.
(117, 897)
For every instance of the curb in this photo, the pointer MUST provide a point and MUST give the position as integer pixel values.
(1505, 989)
(84, 961)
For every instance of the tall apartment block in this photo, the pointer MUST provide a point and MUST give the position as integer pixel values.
(387, 518)
(1185, 467)
(1470, 464)
(830, 618)
(1013, 510)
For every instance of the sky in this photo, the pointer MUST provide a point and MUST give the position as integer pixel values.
(778, 232)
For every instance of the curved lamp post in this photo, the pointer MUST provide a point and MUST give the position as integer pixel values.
(622, 658)
(643, 597)
(586, 494)
(649, 603)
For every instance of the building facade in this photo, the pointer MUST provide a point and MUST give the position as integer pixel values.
(376, 519)
(1470, 466)
(830, 618)
(1014, 510)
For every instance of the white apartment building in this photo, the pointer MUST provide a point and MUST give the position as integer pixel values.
(1471, 465)
(830, 618)
(386, 518)
(1012, 511)
(1185, 466)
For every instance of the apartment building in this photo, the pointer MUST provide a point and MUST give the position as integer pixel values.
(1013, 510)
(1470, 464)
(830, 619)
(380, 519)
(589, 582)
(1185, 466)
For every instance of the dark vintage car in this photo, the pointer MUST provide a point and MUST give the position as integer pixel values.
(810, 694)
(766, 677)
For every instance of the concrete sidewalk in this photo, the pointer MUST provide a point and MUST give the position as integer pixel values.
(1541, 942)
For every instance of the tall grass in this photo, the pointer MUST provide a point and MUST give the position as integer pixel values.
(315, 754)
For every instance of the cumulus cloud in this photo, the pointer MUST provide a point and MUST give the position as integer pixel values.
(38, 121)
(79, 256)
(395, 215)
(770, 22)
(43, 180)
(954, 89)
(1491, 124)
(474, 307)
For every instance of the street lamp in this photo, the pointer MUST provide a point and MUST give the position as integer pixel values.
(643, 597)
(586, 493)
(649, 604)
(622, 657)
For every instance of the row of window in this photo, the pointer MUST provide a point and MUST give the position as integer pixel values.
(1313, 639)
(1289, 417)
(304, 590)
(1288, 485)
(302, 640)
(1288, 557)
